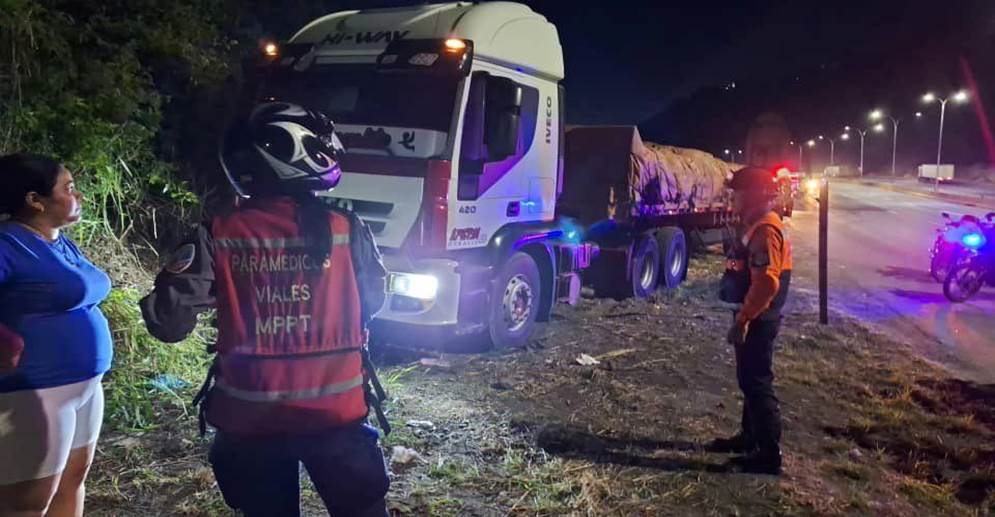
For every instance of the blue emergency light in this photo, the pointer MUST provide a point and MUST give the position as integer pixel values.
(973, 240)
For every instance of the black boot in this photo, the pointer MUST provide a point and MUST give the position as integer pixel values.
(740, 443)
(760, 461)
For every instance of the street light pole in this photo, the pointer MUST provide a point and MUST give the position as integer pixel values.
(939, 145)
(877, 115)
(863, 133)
(810, 143)
(832, 149)
(894, 142)
(960, 96)
(860, 167)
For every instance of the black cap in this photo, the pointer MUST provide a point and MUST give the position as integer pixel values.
(752, 178)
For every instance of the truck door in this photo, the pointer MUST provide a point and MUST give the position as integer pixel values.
(494, 185)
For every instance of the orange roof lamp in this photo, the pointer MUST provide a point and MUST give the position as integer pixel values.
(455, 45)
(270, 49)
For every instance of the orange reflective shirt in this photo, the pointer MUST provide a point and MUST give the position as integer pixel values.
(769, 260)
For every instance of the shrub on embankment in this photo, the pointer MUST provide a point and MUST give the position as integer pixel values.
(123, 91)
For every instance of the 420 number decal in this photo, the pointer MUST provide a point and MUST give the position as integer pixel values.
(468, 209)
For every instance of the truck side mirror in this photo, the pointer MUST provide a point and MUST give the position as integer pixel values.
(503, 118)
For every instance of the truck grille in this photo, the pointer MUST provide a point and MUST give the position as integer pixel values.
(374, 213)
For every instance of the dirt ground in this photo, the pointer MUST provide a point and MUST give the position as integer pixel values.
(869, 429)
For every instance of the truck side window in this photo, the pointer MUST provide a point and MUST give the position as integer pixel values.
(488, 115)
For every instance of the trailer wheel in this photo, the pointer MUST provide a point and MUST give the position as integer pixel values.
(514, 302)
(645, 266)
(674, 264)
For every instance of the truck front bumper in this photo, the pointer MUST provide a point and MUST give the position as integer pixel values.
(419, 318)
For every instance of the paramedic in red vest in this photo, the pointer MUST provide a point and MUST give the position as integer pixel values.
(758, 279)
(294, 284)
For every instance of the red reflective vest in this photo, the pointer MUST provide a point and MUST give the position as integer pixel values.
(290, 335)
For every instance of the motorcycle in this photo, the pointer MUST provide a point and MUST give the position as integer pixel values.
(975, 267)
(948, 247)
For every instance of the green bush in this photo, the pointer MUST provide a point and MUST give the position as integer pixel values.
(91, 83)
(96, 84)
(134, 398)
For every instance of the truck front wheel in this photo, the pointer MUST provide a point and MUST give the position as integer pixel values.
(514, 302)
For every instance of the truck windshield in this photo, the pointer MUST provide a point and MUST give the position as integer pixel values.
(407, 115)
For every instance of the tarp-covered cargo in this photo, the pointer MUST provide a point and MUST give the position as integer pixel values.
(610, 173)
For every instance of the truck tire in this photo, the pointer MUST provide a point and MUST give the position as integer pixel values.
(514, 302)
(674, 257)
(644, 267)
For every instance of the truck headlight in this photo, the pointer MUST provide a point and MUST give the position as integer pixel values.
(812, 186)
(422, 287)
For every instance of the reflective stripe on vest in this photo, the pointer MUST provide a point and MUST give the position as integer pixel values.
(278, 396)
(290, 332)
(278, 243)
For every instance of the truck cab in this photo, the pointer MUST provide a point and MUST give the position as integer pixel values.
(452, 119)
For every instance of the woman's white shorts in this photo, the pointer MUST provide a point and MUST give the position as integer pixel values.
(39, 428)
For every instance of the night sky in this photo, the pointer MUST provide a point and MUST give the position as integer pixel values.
(669, 67)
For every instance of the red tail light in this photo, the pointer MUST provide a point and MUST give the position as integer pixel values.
(436, 204)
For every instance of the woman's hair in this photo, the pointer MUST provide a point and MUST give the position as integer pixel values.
(23, 173)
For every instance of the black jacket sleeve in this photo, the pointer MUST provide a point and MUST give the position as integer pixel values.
(371, 275)
(183, 289)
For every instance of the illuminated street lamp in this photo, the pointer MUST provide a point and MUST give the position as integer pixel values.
(959, 97)
(800, 148)
(878, 115)
(863, 132)
(832, 147)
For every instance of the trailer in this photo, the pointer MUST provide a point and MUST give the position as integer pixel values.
(643, 204)
(932, 172)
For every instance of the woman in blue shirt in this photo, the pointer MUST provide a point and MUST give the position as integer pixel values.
(51, 399)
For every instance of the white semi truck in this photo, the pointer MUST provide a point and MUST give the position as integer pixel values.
(452, 117)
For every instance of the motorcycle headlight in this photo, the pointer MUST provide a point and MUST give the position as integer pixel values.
(422, 287)
(973, 240)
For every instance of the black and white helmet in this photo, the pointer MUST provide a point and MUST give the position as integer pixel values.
(281, 148)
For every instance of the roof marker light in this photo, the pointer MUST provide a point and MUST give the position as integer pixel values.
(455, 45)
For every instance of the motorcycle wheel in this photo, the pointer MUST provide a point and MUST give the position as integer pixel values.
(963, 282)
(936, 269)
(941, 258)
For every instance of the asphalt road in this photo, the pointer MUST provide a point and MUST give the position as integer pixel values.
(879, 244)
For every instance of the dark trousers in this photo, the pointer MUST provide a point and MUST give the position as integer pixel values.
(261, 476)
(754, 371)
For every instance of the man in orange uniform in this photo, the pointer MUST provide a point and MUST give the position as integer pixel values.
(758, 277)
